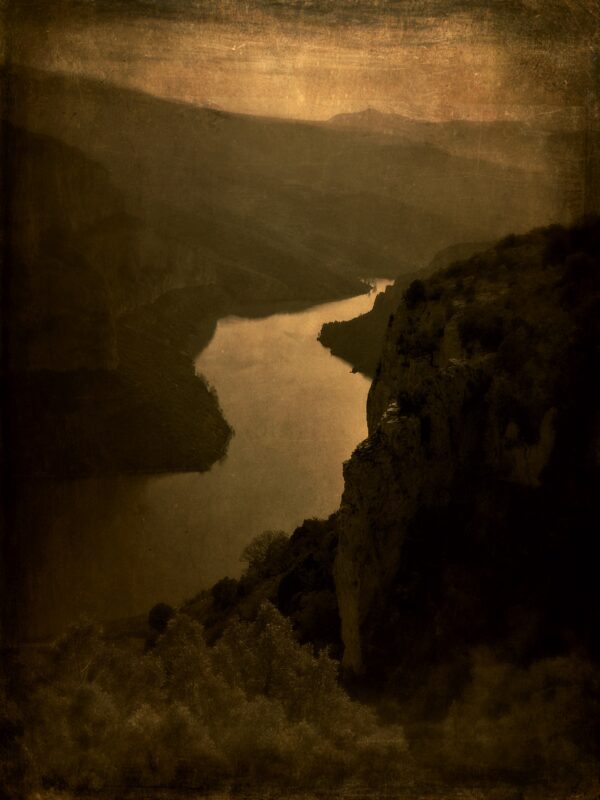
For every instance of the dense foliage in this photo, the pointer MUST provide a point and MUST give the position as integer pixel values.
(256, 708)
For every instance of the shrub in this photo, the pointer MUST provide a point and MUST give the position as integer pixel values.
(14, 758)
(479, 325)
(508, 242)
(224, 593)
(256, 707)
(415, 294)
(159, 617)
(524, 721)
(557, 246)
(419, 343)
(264, 554)
(517, 348)
(581, 278)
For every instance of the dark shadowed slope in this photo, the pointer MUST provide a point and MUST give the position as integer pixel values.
(106, 311)
(92, 386)
(352, 201)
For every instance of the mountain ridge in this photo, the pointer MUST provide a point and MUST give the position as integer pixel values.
(265, 173)
(509, 142)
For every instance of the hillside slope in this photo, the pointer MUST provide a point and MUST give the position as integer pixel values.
(338, 199)
(105, 311)
(502, 141)
(82, 396)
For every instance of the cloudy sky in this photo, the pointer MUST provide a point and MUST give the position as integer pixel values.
(311, 59)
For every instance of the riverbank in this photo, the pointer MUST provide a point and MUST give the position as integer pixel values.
(110, 546)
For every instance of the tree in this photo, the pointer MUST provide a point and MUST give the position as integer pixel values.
(159, 617)
(224, 593)
(415, 294)
(264, 554)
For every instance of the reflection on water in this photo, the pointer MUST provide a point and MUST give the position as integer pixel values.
(113, 547)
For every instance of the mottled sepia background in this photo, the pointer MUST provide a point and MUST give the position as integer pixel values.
(223, 228)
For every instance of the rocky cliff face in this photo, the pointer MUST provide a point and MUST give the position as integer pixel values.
(468, 513)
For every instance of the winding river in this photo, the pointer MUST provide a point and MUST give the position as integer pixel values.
(113, 547)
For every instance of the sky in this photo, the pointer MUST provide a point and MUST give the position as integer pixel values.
(312, 59)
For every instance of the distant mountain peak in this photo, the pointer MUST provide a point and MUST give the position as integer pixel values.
(366, 113)
(211, 106)
(375, 120)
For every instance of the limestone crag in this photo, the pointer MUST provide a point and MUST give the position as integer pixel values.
(484, 402)
(410, 459)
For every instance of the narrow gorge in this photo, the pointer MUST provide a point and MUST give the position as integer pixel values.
(300, 430)
(463, 552)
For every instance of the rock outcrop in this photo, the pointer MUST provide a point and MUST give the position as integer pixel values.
(468, 513)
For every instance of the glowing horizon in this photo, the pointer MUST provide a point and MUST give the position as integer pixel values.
(451, 67)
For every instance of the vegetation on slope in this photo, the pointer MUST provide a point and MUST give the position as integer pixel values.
(256, 710)
(359, 341)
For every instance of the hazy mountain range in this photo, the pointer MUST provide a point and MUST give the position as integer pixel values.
(517, 144)
(327, 195)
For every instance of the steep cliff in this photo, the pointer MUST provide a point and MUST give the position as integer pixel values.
(468, 513)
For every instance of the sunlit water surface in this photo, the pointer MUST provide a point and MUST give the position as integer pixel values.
(112, 547)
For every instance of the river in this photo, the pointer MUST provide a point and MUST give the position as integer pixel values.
(112, 547)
